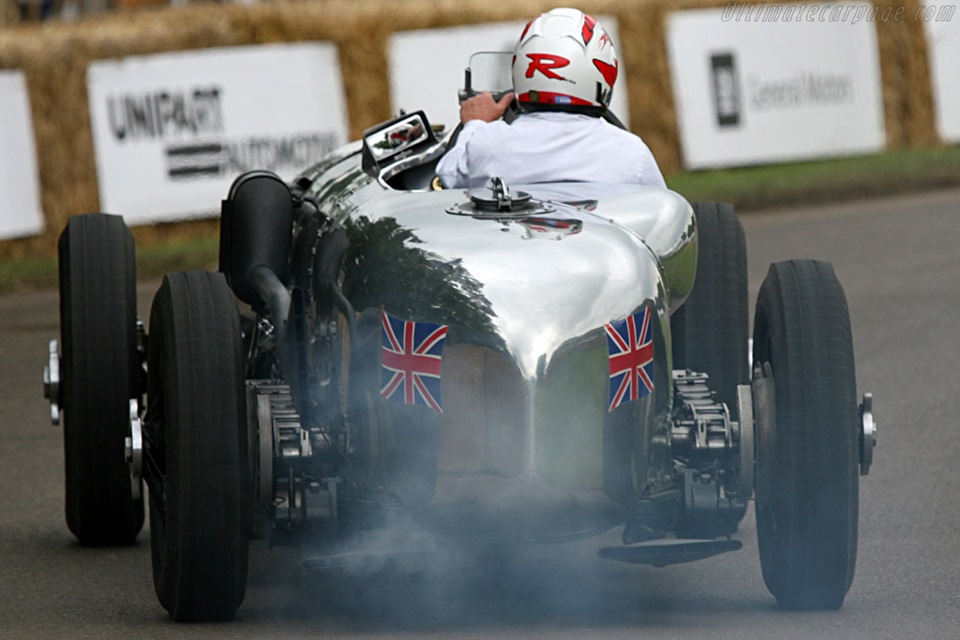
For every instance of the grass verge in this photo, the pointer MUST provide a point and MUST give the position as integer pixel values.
(153, 260)
(769, 186)
(749, 188)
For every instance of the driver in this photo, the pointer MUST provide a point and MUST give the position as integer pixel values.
(564, 68)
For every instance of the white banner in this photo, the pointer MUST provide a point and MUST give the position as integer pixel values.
(172, 131)
(426, 66)
(20, 212)
(942, 24)
(770, 83)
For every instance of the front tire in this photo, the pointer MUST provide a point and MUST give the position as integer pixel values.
(98, 333)
(197, 448)
(807, 456)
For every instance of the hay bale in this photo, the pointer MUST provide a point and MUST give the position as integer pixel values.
(907, 84)
(9, 13)
(643, 51)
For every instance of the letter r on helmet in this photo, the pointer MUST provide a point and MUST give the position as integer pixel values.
(545, 63)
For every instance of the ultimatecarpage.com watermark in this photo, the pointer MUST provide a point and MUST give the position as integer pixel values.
(851, 13)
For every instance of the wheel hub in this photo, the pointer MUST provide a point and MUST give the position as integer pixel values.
(868, 434)
(51, 381)
(133, 450)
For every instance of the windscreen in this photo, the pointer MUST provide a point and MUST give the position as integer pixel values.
(490, 71)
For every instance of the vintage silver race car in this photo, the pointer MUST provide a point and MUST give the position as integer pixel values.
(530, 362)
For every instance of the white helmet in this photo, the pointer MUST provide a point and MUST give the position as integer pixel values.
(564, 58)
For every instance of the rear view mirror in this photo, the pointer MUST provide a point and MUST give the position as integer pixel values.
(396, 139)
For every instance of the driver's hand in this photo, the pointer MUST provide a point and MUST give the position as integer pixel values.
(483, 107)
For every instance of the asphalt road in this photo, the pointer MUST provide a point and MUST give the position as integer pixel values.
(899, 261)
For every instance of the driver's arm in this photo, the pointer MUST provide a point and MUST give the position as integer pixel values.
(453, 169)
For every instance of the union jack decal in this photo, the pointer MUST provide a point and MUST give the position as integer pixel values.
(630, 343)
(410, 361)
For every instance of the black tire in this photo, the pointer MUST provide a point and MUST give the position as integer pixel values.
(709, 332)
(99, 364)
(807, 458)
(197, 449)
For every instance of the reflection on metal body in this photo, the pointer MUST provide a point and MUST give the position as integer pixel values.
(525, 380)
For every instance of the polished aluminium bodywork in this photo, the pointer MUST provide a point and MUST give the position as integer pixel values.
(525, 430)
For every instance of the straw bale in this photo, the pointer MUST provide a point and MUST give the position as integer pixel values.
(644, 53)
(907, 84)
(9, 13)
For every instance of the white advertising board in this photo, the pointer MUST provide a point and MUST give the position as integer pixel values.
(426, 66)
(942, 24)
(20, 212)
(780, 83)
(172, 131)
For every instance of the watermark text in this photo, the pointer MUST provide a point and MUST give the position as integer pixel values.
(849, 13)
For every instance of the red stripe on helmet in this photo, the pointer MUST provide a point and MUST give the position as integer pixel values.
(608, 71)
(586, 31)
(526, 28)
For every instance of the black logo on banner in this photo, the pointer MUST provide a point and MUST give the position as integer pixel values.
(189, 123)
(163, 114)
(227, 157)
(726, 89)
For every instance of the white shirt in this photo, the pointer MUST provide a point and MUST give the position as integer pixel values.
(548, 146)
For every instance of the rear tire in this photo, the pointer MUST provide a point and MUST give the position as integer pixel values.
(197, 445)
(98, 324)
(807, 458)
(710, 330)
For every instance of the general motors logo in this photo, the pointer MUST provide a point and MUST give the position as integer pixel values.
(726, 89)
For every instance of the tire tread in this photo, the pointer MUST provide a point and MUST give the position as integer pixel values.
(808, 513)
(100, 375)
(200, 541)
